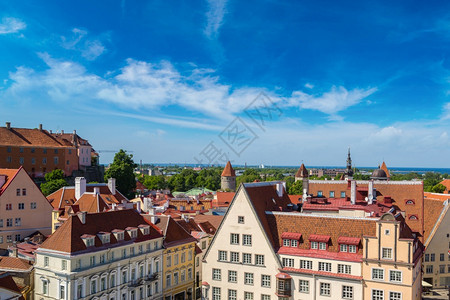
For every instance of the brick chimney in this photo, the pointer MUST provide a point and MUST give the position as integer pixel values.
(8, 125)
(40, 127)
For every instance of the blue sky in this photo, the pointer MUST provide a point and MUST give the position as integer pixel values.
(168, 80)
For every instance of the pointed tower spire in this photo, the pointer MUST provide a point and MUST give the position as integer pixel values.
(228, 178)
(349, 171)
(385, 169)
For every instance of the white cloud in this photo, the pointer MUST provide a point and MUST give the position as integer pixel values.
(332, 102)
(11, 25)
(446, 111)
(89, 48)
(309, 85)
(214, 17)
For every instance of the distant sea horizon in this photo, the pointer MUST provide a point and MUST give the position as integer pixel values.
(398, 170)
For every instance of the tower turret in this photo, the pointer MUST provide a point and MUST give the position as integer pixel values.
(349, 171)
(228, 178)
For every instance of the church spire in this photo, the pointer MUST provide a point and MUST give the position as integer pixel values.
(349, 171)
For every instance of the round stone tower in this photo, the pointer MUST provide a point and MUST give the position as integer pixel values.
(228, 178)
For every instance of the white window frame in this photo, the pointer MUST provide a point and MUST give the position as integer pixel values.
(232, 276)
(247, 239)
(223, 255)
(375, 272)
(303, 286)
(386, 251)
(325, 289)
(216, 274)
(249, 278)
(347, 292)
(380, 295)
(392, 274)
(265, 281)
(392, 293)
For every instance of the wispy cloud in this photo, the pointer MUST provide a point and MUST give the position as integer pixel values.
(446, 112)
(11, 25)
(214, 17)
(79, 41)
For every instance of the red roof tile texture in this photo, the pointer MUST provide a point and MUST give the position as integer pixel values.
(14, 263)
(302, 172)
(434, 204)
(10, 174)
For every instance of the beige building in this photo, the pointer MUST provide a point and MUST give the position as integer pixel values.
(436, 265)
(265, 249)
(111, 255)
(23, 208)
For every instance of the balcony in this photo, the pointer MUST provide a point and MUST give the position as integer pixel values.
(283, 285)
(152, 277)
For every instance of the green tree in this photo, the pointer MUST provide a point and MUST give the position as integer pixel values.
(122, 169)
(54, 180)
(438, 188)
(154, 182)
(296, 188)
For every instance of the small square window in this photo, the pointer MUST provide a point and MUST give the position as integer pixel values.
(241, 219)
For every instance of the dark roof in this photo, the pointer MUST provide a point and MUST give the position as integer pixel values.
(67, 238)
(302, 172)
(173, 233)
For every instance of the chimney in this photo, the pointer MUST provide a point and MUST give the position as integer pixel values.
(51, 131)
(370, 192)
(62, 131)
(154, 218)
(97, 190)
(80, 187)
(112, 185)
(138, 207)
(40, 127)
(8, 125)
(82, 216)
(353, 192)
(280, 187)
(14, 250)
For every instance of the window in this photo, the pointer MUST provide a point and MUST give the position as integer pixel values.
(44, 160)
(288, 262)
(247, 240)
(331, 194)
(344, 269)
(9, 206)
(33, 161)
(429, 269)
(395, 296)
(18, 222)
(265, 297)
(93, 286)
(21, 206)
(286, 243)
(294, 243)
(314, 245)
(324, 266)
(1, 223)
(303, 286)
(322, 246)
(222, 255)
(409, 202)
(441, 257)
(46, 261)
(232, 276)
(55, 160)
(343, 248)
(347, 292)
(33, 205)
(92, 261)
(352, 248)
(442, 269)
(9, 222)
(17, 192)
(342, 194)
(175, 278)
(9, 238)
(305, 264)
(45, 287)
(319, 193)
(248, 296)
(432, 257)
(386, 253)
(241, 219)
(248, 278)
(395, 276)
(203, 245)
(17, 238)
(378, 274)
(234, 239)
(217, 274)
(24, 192)
(325, 289)
(21, 160)
(259, 259)
(175, 259)
(32, 150)
(235, 257)
(56, 151)
(63, 264)
(265, 280)
(427, 257)
(168, 280)
(9, 159)
(377, 295)
(103, 283)
(169, 261)
(387, 232)
(8, 149)
(232, 294)
(247, 258)
(215, 293)
(190, 273)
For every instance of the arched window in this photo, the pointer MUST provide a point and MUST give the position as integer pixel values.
(410, 202)
(413, 217)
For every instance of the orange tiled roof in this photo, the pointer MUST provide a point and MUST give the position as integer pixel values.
(223, 199)
(7, 282)
(27, 137)
(302, 172)
(10, 174)
(14, 263)
(228, 170)
(434, 204)
(214, 220)
(446, 183)
(67, 238)
(174, 234)
(385, 169)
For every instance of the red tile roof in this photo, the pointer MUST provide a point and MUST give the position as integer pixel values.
(349, 240)
(14, 264)
(67, 238)
(434, 204)
(223, 199)
(174, 234)
(27, 137)
(322, 273)
(302, 172)
(385, 169)
(7, 282)
(214, 220)
(228, 170)
(10, 174)
(291, 235)
(319, 238)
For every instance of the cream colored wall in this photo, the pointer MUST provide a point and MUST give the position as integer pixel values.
(410, 284)
(31, 219)
(71, 277)
(260, 245)
(440, 243)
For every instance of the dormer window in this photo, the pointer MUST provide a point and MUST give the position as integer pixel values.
(145, 229)
(410, 202)
(104, 237)
(132, 232)
(348, 244)
(88, 239)
(319, 241)
(291, 239)
(118, 234)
